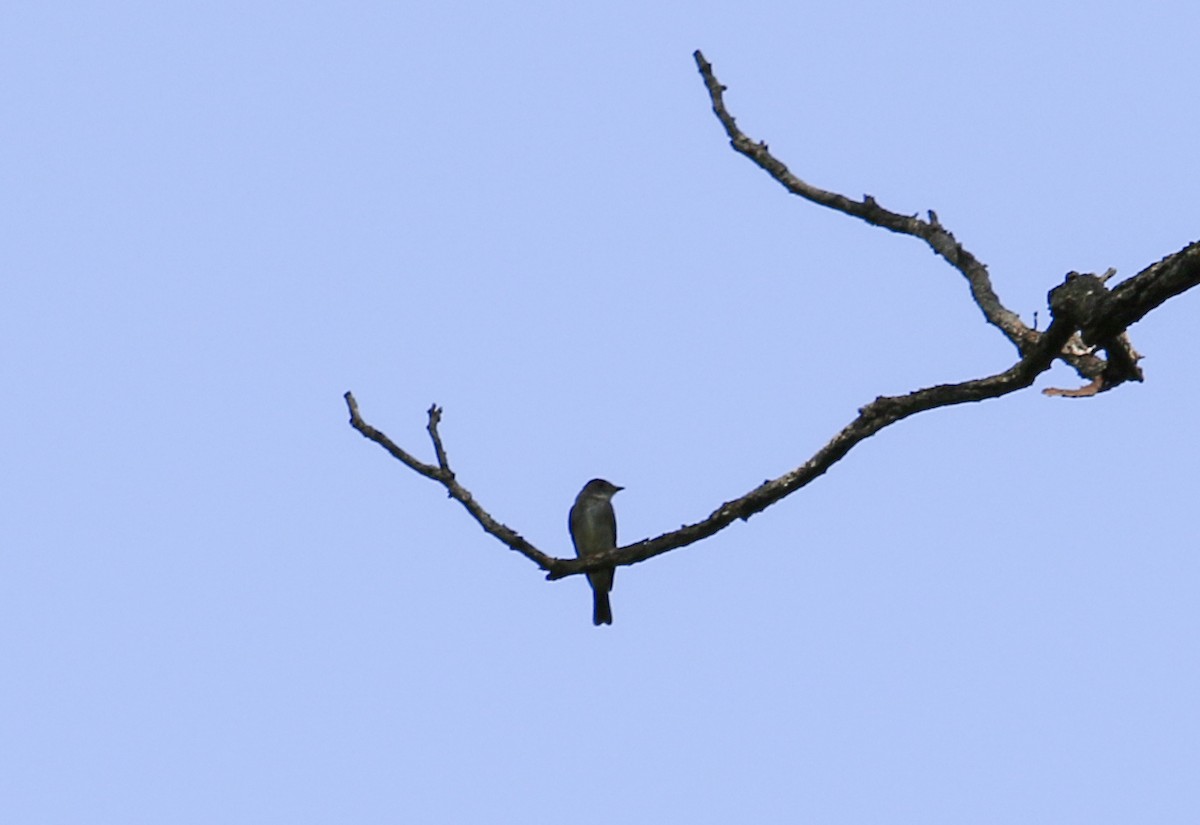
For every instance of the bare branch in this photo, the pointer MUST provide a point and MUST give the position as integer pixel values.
(443, 475)
(1133, 299)
(435, 418)
(1086, 317)
(1086, 391)
(940, 239)
(1102, 316)
(1080, 302)
(356, 421)
(872, 418)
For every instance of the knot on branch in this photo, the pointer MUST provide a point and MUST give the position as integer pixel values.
(884, 407)
(1083, 301)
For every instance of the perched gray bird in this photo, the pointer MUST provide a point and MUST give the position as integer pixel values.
(593, 526)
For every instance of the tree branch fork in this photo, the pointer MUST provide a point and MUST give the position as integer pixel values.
(1087, 319)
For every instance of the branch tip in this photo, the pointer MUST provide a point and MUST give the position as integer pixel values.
(1085, 316)
(940, 240)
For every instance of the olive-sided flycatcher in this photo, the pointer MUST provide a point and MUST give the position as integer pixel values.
(593, 526)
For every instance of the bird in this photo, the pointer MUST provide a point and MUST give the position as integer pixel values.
(593, 528)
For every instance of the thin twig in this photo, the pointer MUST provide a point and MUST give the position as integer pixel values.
(1085, 315)
(435, 418)
(444, 476)
(872, 418)
(1150, 288)
(940, 239)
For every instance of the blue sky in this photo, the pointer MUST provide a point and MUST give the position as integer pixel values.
(218, 603)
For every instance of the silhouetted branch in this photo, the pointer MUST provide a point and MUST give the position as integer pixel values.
(443, 475)
(1086, 317)
(1133, 299)
(940, 239)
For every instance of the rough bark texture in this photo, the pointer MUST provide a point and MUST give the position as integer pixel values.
(1087, 318)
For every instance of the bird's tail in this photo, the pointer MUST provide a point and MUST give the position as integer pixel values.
(601, 610)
